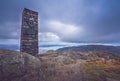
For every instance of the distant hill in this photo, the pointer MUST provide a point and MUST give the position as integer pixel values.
(87, 48)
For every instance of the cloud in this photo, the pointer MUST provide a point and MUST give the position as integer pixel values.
(51, 45)
(10, 30)
(69, 20)
(10, 41)
(64, 30)
(48, 37)
(10, 47)
(96, 20)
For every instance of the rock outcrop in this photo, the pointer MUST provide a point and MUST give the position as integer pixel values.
(16, 66)
(55, 66)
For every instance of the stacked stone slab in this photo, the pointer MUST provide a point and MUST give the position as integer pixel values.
(29, 32)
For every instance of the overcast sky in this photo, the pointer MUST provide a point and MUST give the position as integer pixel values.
(83, 21)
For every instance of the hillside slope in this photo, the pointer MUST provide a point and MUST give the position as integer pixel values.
(55, 66)
(87, 48)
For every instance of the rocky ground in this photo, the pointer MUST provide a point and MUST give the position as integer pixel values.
(54, 66)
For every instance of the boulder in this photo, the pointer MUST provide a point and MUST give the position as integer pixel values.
(18, 66)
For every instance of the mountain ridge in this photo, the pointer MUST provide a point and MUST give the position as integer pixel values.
(87, 48)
